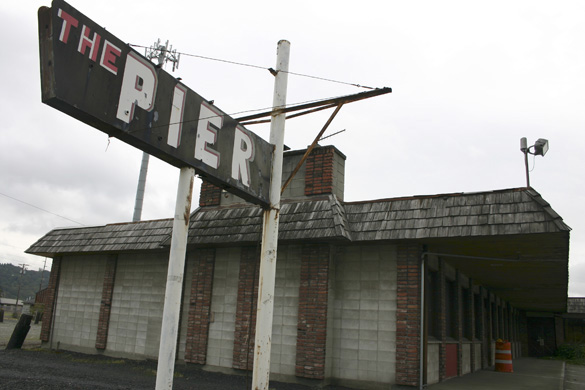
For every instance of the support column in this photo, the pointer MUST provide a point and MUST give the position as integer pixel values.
(482, 330)
(265, 304)
(458, 306)
(200, 306)
(106, 305)
(472, 325)
(52, 289)
(174, 288)
(442, 322)
(408, 306)
(243, 357)
(312, 323)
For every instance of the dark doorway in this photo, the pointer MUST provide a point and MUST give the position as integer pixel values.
(541, 336)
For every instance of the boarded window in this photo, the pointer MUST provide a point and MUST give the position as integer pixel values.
(451, 309)
(434, 305)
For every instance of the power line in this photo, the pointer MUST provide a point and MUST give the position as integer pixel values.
(265, 68)
(39, 208)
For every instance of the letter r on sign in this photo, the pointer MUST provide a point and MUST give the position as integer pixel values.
(242, 155)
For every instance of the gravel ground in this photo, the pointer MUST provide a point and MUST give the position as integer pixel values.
(6, 328)
(33, 368)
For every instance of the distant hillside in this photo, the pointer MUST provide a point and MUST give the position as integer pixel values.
(29, 284)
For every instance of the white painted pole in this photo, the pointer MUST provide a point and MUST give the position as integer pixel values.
(265, 308)
(172, 305)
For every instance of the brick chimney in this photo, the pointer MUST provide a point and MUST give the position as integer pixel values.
(210, 194)
(322, 173)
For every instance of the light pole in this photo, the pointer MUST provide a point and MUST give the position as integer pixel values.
(540, 148)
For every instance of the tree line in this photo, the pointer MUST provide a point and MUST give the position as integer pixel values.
(30, 282)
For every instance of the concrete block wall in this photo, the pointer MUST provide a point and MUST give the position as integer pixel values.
(477, 357)
(286, 306)
(465, 358)
(137, 305)
(220, 344)
(223, 309)
(364, 314)
(296, 188)
(433, 363)
(78, 302)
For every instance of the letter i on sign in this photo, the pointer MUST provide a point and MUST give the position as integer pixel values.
(176, 120)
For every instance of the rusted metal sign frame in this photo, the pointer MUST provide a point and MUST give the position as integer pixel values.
(336, 102)
(314, 106)
(310, 148)
(91, 75)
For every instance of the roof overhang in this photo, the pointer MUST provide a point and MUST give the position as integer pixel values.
(530, 271)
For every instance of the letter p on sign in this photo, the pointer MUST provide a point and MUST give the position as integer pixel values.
(138, 87)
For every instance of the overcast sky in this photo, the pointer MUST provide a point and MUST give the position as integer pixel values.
(469, 79)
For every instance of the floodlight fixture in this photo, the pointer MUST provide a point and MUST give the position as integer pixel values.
(539, 148)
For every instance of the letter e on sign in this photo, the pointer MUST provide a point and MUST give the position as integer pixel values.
(109, 55)
(138, 87)
(210, 121)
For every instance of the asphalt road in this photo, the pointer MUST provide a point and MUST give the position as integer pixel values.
(41, 369)
(33, 368)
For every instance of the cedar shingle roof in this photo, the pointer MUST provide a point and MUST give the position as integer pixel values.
(494, 213)
(516, 211)
(307, 220)
(145, 235)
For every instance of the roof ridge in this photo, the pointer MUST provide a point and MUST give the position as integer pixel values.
(445, 195)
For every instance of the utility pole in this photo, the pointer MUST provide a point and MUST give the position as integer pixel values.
(43, 275)
(22, 271)
(163, 54)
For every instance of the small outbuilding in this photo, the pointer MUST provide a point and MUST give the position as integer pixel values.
(371, 293)
(10, 305)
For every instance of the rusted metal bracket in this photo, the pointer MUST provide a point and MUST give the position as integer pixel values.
(309, 108)
(310, 148)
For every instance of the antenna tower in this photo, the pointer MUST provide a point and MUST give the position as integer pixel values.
(162, 54)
